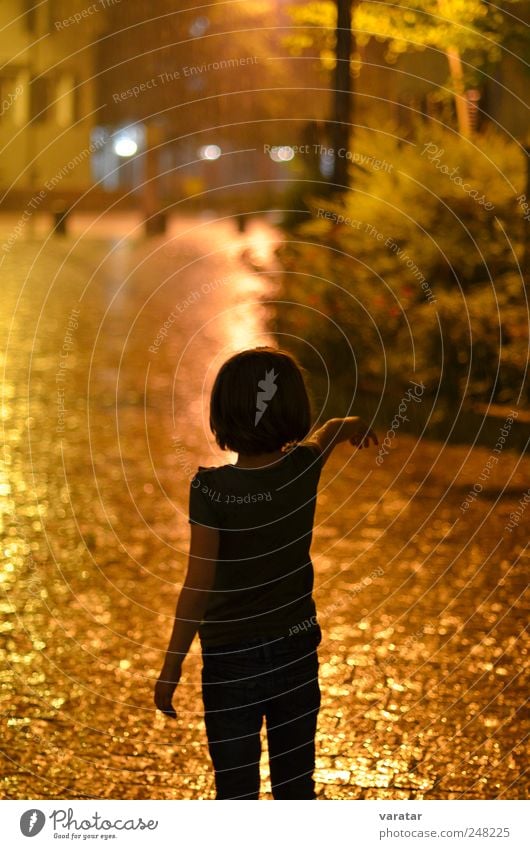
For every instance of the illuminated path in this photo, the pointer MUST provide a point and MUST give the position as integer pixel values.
(105, 417)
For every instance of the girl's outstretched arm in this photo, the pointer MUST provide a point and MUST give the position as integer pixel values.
(191, 606)
(351, 429)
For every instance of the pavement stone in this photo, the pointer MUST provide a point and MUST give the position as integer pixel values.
(424, 658)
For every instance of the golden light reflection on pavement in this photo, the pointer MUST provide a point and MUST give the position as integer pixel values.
(424, 622)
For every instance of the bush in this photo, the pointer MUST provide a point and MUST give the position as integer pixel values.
(413, 273)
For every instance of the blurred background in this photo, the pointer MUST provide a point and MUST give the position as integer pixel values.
(414, 121)
(348, 180)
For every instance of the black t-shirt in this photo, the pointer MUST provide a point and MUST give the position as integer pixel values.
(264, 576)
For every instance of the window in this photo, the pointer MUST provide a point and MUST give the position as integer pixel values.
(52, 13)
(39, 93)
(30, 15)
(10, 91)
(65, 97)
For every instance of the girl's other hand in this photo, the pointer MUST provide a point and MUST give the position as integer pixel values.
(164, 690)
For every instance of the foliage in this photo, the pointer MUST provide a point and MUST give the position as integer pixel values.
(466, 26)
(420, 278)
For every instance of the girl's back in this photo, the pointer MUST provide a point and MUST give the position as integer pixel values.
(264, 576)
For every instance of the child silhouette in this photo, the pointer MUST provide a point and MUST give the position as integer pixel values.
(248, 588)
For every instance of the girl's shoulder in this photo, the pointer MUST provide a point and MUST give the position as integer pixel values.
(209, 469)
(311, 453)
(304, 456)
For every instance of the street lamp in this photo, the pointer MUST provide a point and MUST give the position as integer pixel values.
(125, 146)
(210, 152)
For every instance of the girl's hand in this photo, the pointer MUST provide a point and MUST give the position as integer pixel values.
(362, 434)
(351, 429)
(164, 690)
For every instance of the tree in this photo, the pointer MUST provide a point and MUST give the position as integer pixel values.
(342, 91)
(454, 27)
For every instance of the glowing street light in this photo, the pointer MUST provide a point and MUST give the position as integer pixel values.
(210, 151)
(125, 146)
(281, 154)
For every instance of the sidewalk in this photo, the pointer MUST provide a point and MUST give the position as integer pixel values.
(424, 671)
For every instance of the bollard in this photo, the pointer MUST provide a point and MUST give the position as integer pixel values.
(60, 214)
(156, 224)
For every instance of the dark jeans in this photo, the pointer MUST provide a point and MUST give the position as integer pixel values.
(275, 678)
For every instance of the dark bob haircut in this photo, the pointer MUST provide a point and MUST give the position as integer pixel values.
(259, 402)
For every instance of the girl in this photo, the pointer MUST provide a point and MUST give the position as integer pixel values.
(248, 588)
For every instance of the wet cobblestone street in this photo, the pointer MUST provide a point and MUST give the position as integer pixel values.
(424, 657)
